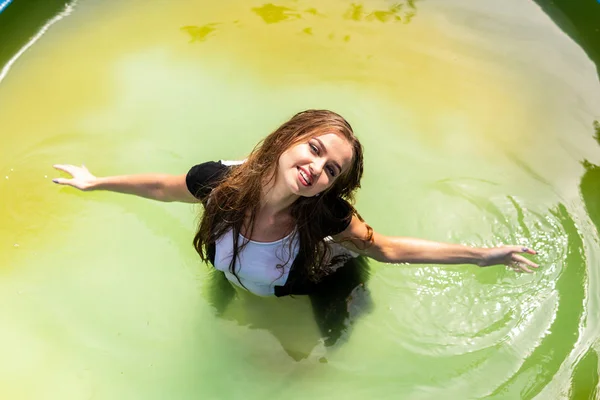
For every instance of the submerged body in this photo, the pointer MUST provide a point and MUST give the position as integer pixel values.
(282, 222)
(263, 267)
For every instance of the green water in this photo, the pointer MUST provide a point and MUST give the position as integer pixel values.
(479, 124)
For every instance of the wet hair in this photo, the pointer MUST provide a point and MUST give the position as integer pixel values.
(235, 201)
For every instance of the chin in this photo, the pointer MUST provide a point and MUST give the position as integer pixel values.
(306, 193)
(300, 191)
(295, 188)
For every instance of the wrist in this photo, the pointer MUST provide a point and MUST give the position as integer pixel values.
(480, 255)
(92, 184)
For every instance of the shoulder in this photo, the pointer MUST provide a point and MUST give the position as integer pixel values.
(201, 179)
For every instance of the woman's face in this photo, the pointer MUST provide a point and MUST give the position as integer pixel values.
(311, 166)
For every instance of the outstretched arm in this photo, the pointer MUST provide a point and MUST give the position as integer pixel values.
(408, 250)
(161, 187)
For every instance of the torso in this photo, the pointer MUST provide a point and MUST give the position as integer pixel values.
(260, 265)
(265, 263)
(270, 229)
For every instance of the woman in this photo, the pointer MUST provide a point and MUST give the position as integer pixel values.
(289, 207)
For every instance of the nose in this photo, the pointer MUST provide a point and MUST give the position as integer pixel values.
(317, 167)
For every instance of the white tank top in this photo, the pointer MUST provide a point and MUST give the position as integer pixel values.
(256, 266)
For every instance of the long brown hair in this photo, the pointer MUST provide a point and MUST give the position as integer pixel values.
(235, 201)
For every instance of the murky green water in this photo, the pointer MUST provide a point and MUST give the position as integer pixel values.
(478, 120)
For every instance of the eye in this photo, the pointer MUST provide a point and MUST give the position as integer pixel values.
(331, 171)
(314, 148)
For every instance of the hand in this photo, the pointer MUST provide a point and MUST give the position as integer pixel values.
(509, 255)
(82, 179)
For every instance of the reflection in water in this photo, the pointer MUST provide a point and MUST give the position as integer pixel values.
(579, 20)
(436, 332)
(584, 383)
(338, 301)
(590, 185)
(271, 14)
(585, 374)
(4, 4)
(358, 12)
(199, 33)
(20, 22)
(67, 10)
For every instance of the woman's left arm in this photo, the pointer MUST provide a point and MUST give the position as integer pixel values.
(359, 238)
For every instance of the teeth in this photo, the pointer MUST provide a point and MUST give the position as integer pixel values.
(305, 177)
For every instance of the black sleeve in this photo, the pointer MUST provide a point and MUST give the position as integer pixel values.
(203, 178)
(341, 216)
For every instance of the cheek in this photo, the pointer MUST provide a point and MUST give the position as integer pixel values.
(325, 181)
(286, 159)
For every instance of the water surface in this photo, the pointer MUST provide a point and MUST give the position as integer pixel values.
(478, 121)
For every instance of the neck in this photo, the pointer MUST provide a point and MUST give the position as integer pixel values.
(276, 198)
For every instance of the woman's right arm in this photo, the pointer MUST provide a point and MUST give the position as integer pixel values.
(161, 187)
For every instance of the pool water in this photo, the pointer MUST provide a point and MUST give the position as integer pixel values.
(480, 126)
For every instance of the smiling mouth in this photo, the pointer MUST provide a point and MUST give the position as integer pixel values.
(304, 177)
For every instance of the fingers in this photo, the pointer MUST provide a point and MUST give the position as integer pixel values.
(523, 268)
(522, 249)
(518, 267)
(528, 250)
(523, 263)
(61, 181)
(515, 267)
(522, 259)
(66, 181)
(69, 169)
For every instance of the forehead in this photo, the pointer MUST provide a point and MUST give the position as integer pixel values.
(337, 147)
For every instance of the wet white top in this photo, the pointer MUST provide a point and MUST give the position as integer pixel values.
(256, 266)
(260, 266)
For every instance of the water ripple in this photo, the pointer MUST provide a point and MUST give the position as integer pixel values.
(462, 309)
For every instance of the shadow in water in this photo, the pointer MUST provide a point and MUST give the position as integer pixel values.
(585, 374)
(22, 20)
(544, 362)
(580, 19)
(338, 301)
(584, 382)
(590, 184)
